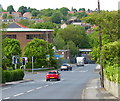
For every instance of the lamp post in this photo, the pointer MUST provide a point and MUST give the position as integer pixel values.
(100, 46)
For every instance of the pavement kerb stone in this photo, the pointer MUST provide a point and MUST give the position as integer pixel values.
(15, 82)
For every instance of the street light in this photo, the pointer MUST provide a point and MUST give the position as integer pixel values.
(100, 40)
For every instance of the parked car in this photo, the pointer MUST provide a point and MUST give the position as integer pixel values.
(53, 75)
(66, 67)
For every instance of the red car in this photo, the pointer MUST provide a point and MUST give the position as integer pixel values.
(53, 75)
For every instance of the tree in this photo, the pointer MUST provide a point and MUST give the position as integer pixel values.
(81, 9)
(26, 22)
(75, 34)
(22, 9)
(108, 27)
(57, 17)
(45, 25)
(9, 17)
(80, 15)
(4, 16)
(35, 13)
(64, 10)
(39, 49)
(10, 9)
(10, 47)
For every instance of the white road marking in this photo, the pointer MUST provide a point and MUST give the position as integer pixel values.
(18, 94)
(91, 87)
(83, 71)
(7, 98)
(45, 85)
(38, 87)
(6, 88)
(30, 90)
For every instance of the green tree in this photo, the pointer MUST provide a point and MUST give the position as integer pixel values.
(80, 15)
(57, 17)
(9, 17)
(10, 9)
(64, 10)
(22, 9)
(39, 49)
(4, 16)
(35, 13)
(10, 47)
(107, 26)
(26, 22)
(45, 25)
(75, 34)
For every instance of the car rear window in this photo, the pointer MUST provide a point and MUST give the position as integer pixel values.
(64, 65)
(52, 73)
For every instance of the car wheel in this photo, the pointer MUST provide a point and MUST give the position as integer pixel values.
(47, 80)
(58, 79)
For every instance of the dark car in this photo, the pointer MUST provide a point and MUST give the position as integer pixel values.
(66, 67)
(53, 75)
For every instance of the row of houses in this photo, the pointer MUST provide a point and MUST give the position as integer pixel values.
(19, 14)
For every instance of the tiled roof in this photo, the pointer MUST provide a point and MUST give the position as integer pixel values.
(16, 25)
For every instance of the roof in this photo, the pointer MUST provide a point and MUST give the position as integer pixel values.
(16, 25)
(26, 30)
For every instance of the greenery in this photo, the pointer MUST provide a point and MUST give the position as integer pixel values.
(11, 75)
(107, 26)
(45, 25)
(72, 37)
(10, 9)
(10, 47)
(39, 49)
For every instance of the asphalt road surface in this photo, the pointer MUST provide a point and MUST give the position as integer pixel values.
(70, 86)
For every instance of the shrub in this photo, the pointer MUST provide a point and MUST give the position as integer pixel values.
(8, 76)
(2, 76)
(111, 61)
(12, 75)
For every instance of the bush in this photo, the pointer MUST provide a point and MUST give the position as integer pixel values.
(111, 61)
(18, 74)
(8, 76)
(12, 75)
(2, 76)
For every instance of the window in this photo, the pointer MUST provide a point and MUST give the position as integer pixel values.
(11, 36)
(32, 36)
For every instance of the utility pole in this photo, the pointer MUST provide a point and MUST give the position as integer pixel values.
(100, 46)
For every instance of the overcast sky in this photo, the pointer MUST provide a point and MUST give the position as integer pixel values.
(41, 4)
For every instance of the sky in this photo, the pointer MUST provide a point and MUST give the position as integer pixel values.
(53, 4)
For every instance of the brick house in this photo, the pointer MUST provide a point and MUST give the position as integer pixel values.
(25, 35)
(16, 14)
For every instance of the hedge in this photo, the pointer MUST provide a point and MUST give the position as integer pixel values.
(111, 61)
(12, 75)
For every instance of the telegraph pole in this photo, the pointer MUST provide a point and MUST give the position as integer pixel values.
(100, 46)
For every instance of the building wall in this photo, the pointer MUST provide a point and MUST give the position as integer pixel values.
(21, 36)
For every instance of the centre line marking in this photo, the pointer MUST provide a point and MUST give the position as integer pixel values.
(38, 87)
(18, 94)
(7, 98)
(45, 85)
(30, 90)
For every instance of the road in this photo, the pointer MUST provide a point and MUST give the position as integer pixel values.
(70, 87)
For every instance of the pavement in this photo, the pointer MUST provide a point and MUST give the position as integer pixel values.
(15, 82)
(93, 90)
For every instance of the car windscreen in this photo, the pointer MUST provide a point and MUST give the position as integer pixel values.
(52, 73)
